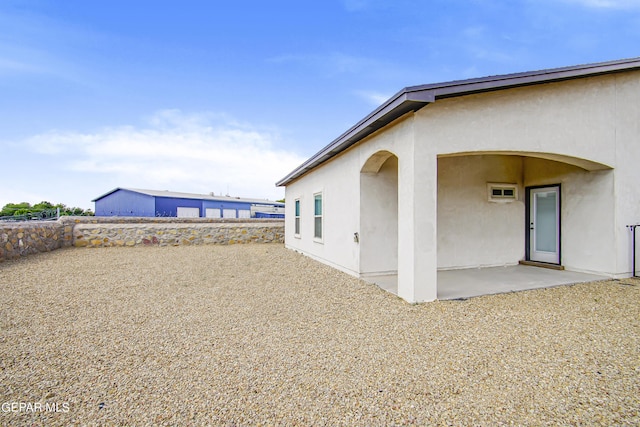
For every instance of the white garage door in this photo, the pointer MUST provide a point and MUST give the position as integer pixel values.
(228, 213)
(188, 212)
(244, 213)
(212, 213)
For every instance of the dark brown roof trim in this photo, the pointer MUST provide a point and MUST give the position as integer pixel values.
(414, 98)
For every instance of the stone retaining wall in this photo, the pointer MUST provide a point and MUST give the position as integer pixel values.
(103, 235)
(23, 238)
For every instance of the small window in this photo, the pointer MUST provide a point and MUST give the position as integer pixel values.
(297, 216)
(317, 216)
(502, 192)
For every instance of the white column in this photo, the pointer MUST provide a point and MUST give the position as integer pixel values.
(417, 226)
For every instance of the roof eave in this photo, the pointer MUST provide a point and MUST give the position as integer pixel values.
(416, 97)
(108, 193)
(402, 103)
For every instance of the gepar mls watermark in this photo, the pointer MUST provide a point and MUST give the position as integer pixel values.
(34, 407)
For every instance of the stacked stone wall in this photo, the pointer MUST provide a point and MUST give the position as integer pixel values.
(24, 238)
(162, 220)
(174, 234)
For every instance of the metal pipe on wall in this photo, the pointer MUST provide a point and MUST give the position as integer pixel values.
(633, 246)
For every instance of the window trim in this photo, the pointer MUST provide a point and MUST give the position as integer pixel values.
(317, 238)
(493, 187)
(296, 215)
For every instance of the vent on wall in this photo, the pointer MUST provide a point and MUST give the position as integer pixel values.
(502, 192)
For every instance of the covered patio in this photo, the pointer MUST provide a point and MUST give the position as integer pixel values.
(473, 282)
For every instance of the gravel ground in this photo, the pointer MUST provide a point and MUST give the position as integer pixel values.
(259, 335)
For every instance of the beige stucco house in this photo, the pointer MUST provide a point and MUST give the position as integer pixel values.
(539, 166)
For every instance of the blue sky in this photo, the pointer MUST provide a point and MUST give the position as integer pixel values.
(228, 97)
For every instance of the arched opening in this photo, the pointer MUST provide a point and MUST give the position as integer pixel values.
(556, 210)
(586, 164)
(379, 215)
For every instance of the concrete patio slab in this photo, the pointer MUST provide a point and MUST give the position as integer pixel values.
(467, 283)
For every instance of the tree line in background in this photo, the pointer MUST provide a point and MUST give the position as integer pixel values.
(24, 208)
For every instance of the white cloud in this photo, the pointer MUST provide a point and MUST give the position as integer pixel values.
(197, 153)
(332, 63)
(374, 98)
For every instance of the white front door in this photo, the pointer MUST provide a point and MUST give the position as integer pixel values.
(544, 224)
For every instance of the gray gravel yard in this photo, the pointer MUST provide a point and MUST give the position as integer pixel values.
(259, 335)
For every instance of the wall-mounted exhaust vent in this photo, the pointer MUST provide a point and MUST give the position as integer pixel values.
(502, 192)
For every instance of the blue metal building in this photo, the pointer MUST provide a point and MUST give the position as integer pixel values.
(152, 203)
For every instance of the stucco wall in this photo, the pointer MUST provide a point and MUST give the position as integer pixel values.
(339, 180)
(578, 119)
(583, 134)
(574, 118)
(627, 180)
(587, 213)
(379, 219)
(340, 201)
(473, 231)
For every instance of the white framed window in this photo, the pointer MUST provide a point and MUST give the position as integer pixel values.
(498, 192)
(317, 216)
(297, 218)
